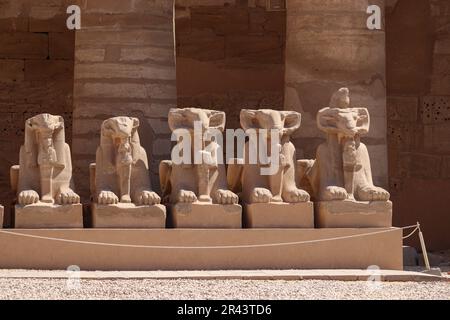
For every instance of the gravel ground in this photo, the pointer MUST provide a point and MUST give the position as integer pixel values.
(220, 289)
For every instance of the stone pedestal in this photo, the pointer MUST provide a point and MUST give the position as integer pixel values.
(128, 216)
(279, 215)
(353, 214)
(190, 249)
(48, 216)
(2, 210)
(205, 216)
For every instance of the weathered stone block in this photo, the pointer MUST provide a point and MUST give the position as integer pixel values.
(19, 24)
(205, 215)
(425, 166)
(125, 71)
(89, 55)
(11, 70)
(109, 6)
(23, 45)
(279, 215)
(353, 214)
(62, 45)
(402, 109)
(47, 69)
(435, 109)
(45, 216)
(128, 216)
(437, 138)
(446, 167)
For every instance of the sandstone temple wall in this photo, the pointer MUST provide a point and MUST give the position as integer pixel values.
(329, 46)
(230, 55)
(140, 58)
(124, 65)
(418, 77)
(36, 73)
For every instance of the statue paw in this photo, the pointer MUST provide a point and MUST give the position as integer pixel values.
(226, 197)
(296, 196)
(67, 197)
(261, 195)
(28, 197)
(148, 198)
(334, 193)
(185, 196)
(373, 193)
(107, 197)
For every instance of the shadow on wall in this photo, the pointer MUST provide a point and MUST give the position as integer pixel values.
(229, 57)
(418, 85)
(36, 75)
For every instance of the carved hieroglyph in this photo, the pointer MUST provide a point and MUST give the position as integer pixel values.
(120, 183)
(271, 200)
(43, 179)
(198, 192)
(342, 170)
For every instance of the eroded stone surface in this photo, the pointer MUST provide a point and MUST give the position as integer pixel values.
(279, 215)
(277, 187)
(205, 216)
(120, 183)
(44, 216)
(342, 169)
(190, 183)
(128, 216)
(43, 179)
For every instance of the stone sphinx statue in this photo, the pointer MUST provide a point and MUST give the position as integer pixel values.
(197, 191)
(43, 179)
(120, 182)
(271, 199)
(341, 175)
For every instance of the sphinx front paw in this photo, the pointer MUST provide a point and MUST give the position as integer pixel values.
(372, 193)
(296, 196)
(67, 197)
(186, 196)
(226, 197)
(334, 193)
(148, 198)
(28, 197)
(107, 197)
(261, 195)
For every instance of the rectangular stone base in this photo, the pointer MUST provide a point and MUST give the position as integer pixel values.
(279, 215)
(2, 214)
(45, 216)
(205, 216)
(192, 249)
(353, 214)
(128, 216)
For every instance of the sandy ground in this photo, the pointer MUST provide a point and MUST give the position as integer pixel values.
(218, 289)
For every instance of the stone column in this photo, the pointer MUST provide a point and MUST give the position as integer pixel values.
(329, 46)
(125, 65)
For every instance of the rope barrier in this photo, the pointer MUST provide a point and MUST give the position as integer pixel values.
(206, 247)
(412, 232)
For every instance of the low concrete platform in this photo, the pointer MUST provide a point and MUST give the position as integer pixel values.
(201, 249)
(288, 275)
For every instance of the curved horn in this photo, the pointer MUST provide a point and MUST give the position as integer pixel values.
(217, 119)
(292, 121)
(248, 119)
